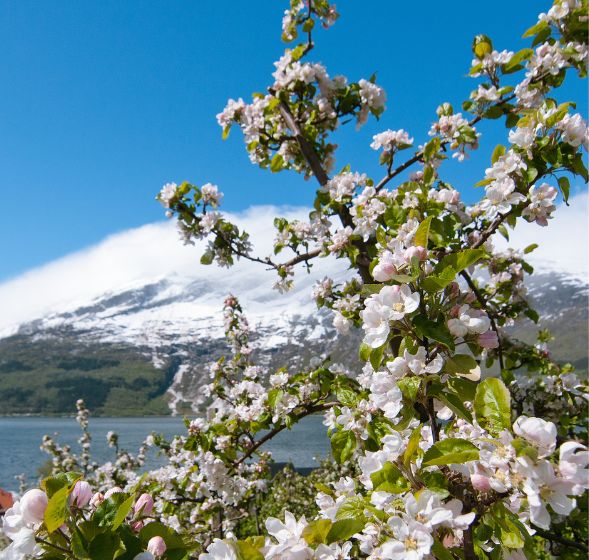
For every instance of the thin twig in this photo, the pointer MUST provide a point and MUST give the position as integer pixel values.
(278, 429)
(561, 540)
(55, 546)
(419, 154)
(481, 299)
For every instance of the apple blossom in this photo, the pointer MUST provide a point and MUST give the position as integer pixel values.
(157, 546)
(33, 505)
(81, 494)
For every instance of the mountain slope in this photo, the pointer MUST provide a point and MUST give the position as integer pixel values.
(145, 349)
(130, 323)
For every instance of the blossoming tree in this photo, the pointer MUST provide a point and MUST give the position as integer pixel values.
(436, 460)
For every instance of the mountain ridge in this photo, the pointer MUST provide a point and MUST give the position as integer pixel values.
(145, 350)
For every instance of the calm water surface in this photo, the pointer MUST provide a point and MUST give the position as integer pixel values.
(20, 439)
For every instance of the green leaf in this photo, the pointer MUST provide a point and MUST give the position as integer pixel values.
(123, 511)
(343, 529)
(497, 153)
(247, 551)
(422, 233)
(450, 450)
(530, 248)
(507, 527)
(343, 444)
(492, 405)
(79, 546)
(56, 511)
(157, 529)
(207, 258)
(493, 112)
(464, 388)
(412, 445)
(516, 59)
(438, 282)
(389, 479)
(352, 508)
(403, 278)
(316, 532)
(409, 387)
(346, 395)
(226, 131)
(482, 45)
(364, 352)
(436, 482)
(277, 163)
(464, 259)
(535, 29)
(376, 356)
(455, 404)
(52, 484)
(463, 365)
(107, 513)
(105, 546)
(565, 187)
(434, 331)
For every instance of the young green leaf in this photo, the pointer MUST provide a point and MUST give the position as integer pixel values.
(450, 450)
(492, 405)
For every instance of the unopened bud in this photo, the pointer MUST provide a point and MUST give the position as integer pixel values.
(97, 499)
(156, 546)
(115, 490)
(480, 482)
(144, 504)
(418, 252)
(81, 494)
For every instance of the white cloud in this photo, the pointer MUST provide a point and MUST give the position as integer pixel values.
(148, 254)
(563, 245)
(152, 252)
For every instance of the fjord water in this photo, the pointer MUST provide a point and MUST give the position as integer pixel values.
(20, 438)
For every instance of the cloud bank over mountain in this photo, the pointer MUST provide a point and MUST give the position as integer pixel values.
(153, 252)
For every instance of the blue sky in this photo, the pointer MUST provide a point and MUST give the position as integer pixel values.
(103, 102)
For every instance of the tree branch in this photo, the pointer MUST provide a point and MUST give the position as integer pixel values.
(483, 302)
(311, 410)
(419, 155)
(552, 537)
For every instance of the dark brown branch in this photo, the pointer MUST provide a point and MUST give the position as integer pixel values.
(308, 152)
(481, 299)
(55, 546)
(272, 433)
(320, 174)
(552, 537)
(419, 155)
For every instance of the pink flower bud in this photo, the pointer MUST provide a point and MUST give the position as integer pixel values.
(81, 494)
(115, 490)
(144, 505)
(488, 340)
(449, 541)
(455, 311)
(419, 252)
(453, 289)
(156, 546)
(470, 297)
(480, 482)
(97, 499)
(33, 505)
(137, 526)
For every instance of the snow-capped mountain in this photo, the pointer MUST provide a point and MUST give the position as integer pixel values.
(164, 333)
(131, 323)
